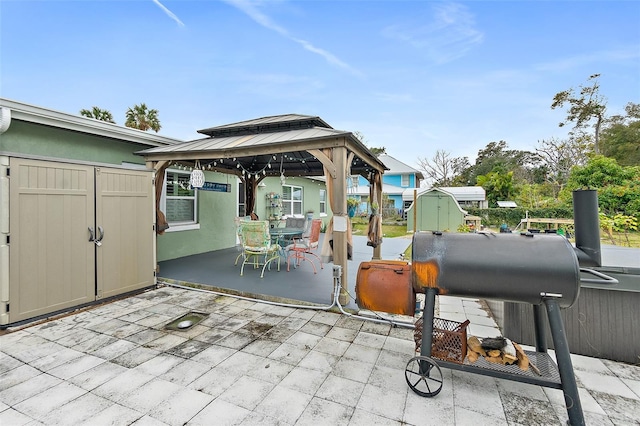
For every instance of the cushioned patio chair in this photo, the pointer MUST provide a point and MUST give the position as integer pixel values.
(257, 248)
(303, 248)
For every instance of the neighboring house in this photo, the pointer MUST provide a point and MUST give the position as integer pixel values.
(466, 196)
(399, 178)
(76, 203)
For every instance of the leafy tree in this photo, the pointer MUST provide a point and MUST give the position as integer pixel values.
(620, 138)
(496, 155)
(442, 169)
(98, 114)
(584, 107)
(618, 187)
(498, 185)
(378, 151)
(142, 118)
(375, 151)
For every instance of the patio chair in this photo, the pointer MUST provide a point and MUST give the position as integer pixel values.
(303, 248)
(257, 248)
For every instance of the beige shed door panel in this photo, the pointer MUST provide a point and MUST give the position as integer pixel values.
(125, 212)
(52, 262)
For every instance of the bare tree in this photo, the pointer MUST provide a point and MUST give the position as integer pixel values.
(442, 169)
(584, 107)
(559, 156)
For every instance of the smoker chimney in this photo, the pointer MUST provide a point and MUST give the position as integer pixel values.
(587, 227)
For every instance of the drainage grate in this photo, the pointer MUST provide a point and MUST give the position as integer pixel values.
(186, 321)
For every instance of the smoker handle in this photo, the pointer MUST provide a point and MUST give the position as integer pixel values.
(602, 278)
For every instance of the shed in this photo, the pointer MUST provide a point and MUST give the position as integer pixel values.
(435, 210)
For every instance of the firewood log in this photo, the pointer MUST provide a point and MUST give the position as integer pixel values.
(473, 343)
(494, 353)
(523, 359)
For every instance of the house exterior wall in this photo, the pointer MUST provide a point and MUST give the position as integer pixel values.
(37, 140)
(310, 194)
(216, 215)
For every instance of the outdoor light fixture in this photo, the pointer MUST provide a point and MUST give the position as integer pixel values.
(196, 180)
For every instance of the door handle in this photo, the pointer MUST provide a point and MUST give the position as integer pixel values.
(92, 236)
(100, 236)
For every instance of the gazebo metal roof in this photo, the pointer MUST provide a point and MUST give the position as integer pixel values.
(266, 146)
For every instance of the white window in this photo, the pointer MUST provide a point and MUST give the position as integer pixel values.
(181, 201)
(291, 200)
(405, 180)
(242, 204)
(323, 201)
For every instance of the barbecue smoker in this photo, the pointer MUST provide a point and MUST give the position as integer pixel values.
(538, 269)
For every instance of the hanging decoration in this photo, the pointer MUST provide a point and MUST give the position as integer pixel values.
(282, 177)
(196, 180)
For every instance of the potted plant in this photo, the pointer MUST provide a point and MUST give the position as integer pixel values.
(352, 206)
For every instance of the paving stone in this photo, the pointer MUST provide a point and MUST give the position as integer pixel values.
(76, 366)
(320, 411)
(40, 405)
(304, 380)
(180, 408)
(135, 357)
(341, 390)
(159, 365)
(98, 375)
(273, 406)
(77, 412)
(150, 395)
(224, 412)
(114, 350)
(185, 372)
(17, 375)
(115, 415)
(188, 349)
(28, 388)
(247, 392)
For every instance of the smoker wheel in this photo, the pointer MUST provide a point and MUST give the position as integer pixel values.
(423, 376)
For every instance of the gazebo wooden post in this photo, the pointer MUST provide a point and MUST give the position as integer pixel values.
(340, 218)
(377, 178)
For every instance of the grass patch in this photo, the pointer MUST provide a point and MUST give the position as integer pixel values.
(360, 226)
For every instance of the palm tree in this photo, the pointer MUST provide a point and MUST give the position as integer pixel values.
(98, 114)
(142, 118)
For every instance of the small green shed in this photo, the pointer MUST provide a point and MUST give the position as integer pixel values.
(435, 210)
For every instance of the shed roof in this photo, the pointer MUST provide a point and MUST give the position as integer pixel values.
(460, 193)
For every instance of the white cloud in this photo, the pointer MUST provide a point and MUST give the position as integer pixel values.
(169, 13)
(448, 36)
(252, 11)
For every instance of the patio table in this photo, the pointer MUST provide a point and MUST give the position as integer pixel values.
(284, 236)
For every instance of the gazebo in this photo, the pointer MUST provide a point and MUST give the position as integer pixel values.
(283, 145)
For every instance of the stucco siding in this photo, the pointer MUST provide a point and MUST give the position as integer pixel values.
(43, 141)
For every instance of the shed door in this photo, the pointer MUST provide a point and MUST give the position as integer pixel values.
(51, 261)
(53, 264)
(125, 214)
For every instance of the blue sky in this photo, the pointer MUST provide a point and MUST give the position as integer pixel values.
(412, 76)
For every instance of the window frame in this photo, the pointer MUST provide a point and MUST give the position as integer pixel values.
(405, 180)
(322, 196)
(182, 225)
(292, 202)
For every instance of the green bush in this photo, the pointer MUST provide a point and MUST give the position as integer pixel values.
(512, 217)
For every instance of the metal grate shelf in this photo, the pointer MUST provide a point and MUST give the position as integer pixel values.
(549, 377)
